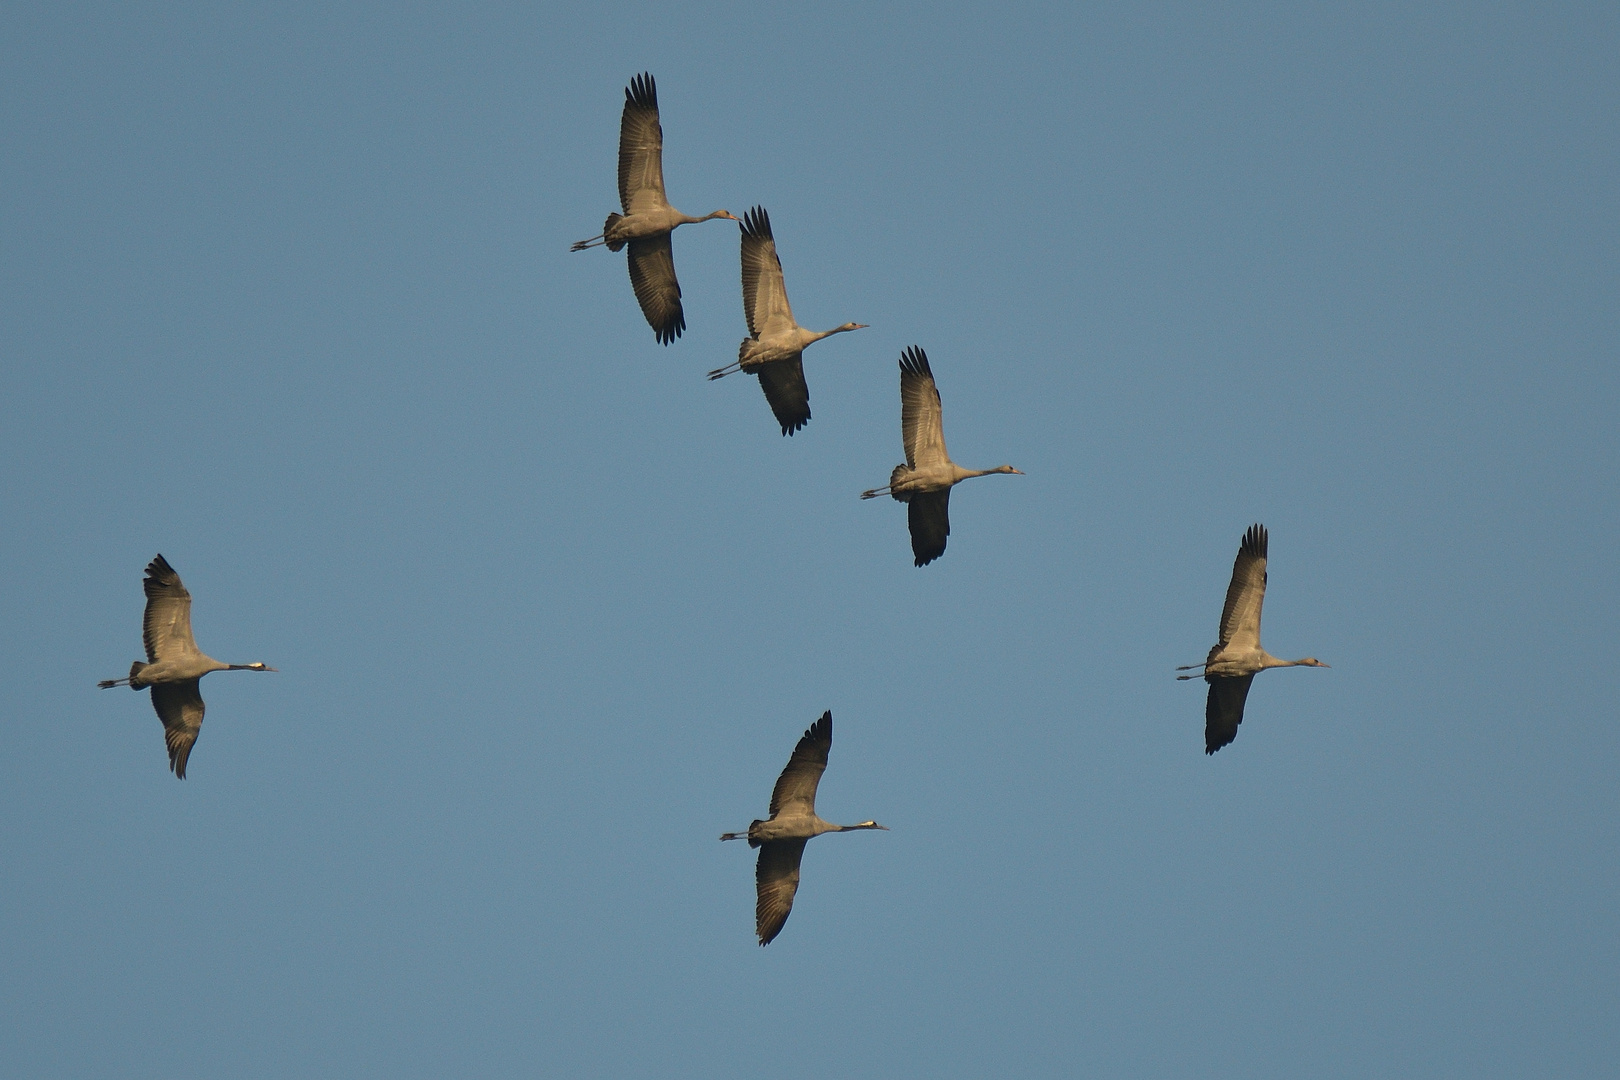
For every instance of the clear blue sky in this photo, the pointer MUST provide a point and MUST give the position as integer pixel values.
(286, 295)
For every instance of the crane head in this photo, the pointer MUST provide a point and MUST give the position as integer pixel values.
(1311, 661)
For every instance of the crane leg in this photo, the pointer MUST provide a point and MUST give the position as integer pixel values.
(595, 241)
(720, 373)
(876, 493)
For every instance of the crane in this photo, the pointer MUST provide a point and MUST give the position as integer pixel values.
(792, 823)
(174, 663)
(1234, 662)
(774, 348)
(924, 482)
(648, 219)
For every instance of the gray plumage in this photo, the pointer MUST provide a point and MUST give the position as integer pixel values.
(1235, 660)
(174, 665)
(792, 824)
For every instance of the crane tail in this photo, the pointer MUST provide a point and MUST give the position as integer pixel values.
(612, 220)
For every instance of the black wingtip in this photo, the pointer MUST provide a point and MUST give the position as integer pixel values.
(642, 91)
(670, 331)
(1256, 540)
(756, 222)
(821, 730)
(915, 362)
(159, 568)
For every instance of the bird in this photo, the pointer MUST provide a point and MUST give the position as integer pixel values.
(648, 219)
(792, 823)
(174, 663)
(924, 482)
(774, 348)
(1233, 663)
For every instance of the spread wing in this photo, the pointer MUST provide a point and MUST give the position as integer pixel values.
(928, 513)
(1240, 619)
(167, 627)
(641, 148)
(1223, 710)
(921, 420)
(765, 301)
(786, 390)
(776, 878)
(180, 706)
(795, 790)
(652, 275)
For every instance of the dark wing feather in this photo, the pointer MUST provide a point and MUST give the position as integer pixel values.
(180, 706)
(776, 878)
(929, 515)
(786, 390)
(1223, 710)
(922, 427)
(652, 275)
(765, 301)
(796, 787)
(1240, 618)
(641, 148)
(167, 627)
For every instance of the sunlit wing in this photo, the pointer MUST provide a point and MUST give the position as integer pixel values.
(928, 514)
(786, 390)
(1240, 619)
(652, 276)
(921, 421)
(776, 878)
(765, 300)
(795, 791)
(180, 706)
(1223, 710)
(641, 149)
(166, 630)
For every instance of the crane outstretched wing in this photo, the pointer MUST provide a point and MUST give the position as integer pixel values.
(765, 299)
(921, 418)
(795, 791)
(180, 706)
(928, 513)
(166, 629)
(641, 148)
(1240, 619)
(786, 390)
(1223, 710)
(776, 879)
(652, 275)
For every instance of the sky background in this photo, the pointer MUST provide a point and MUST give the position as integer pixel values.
(286, 295)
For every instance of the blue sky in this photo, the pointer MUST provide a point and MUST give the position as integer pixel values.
(287, 296)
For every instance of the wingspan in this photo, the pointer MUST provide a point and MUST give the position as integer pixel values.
(765, 299)
(921, 418)
(641, 148)
(167, 627)
(795, 790)
(776, 879)
(1223, 710)
(180, 706)
(1240, 619)
(928, 513)
(652, 275)
(786, 390)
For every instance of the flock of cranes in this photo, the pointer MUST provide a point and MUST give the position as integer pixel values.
(774, 352)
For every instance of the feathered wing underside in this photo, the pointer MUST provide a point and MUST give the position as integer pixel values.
(652, 275)
(795, 791)
(786, 390)
(776, 878)
(1240, 618)
(180, 706)
(928, 513)
(166, 630)
(765, 299)
(641, 149)
(921, 420)
(1223, 710)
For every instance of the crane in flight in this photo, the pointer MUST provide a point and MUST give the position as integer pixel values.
(792, 823)
(774, 348)
(174, 663)
(1233, 663)
(924, 482)
(648, 219)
